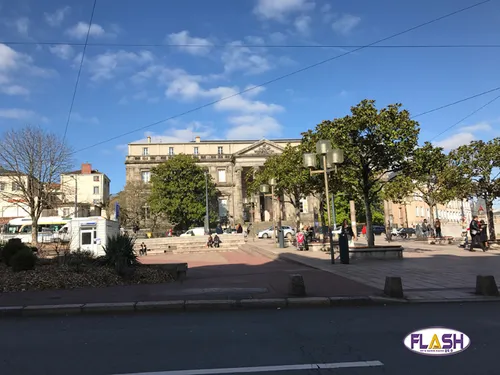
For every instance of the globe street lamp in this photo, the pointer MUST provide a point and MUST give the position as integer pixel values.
(329, 157)
(207, 222)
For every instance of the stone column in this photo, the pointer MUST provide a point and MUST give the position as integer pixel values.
(256, 213)
(238, 198)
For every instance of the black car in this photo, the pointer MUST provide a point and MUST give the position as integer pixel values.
(378, 229)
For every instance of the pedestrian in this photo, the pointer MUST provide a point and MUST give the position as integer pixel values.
(347, 230)
(475, 233)
(483, 236)
(218, 230)
(217, 241)
(210, 242)
(239, 229)
(425, 228)
(363, 231)
(437, 225)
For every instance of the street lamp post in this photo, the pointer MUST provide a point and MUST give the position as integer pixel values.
(328, 158)
(207, 226)
(264, 189)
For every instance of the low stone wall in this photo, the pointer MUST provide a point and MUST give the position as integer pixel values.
(380, 252)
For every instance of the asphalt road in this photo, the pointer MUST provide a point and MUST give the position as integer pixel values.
(150, 343)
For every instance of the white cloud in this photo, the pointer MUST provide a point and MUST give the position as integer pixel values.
(75, 116)
(302, 24)
(178, 133)
(21, 115)
(55, 19)
(105, 66)
(279, 9)
(345, 24)
(13, 90)
(22, 25)
(277, 37)
(80, 30)
(327, 15)
(64, 51)
(482, 126)
(249, 61)
(456, 140)
(201, 46)
(253, 127)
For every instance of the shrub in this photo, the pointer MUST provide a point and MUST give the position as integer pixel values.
(12, 247)
(120, 253)
(23, 260)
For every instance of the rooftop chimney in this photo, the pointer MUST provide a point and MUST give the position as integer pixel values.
(149, 139)
(86, 168)
(197, 139)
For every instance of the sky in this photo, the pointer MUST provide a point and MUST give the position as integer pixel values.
(126, 85)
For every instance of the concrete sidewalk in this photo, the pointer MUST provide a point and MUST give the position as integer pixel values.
(428, 272)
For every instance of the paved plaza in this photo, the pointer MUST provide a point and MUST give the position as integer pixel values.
(427, 271)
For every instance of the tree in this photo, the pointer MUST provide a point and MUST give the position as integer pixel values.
(178, 191)
(293, 180)
(479, 162)
(430, 176)
(376, 144)
(133, 200)
(35, 160)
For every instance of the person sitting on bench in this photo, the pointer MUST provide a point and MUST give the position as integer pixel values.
(143, 250)
(217, 241)
(210, 242)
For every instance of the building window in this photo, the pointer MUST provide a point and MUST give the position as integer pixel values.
(220, 150)
(221, 173)
(170, 151)
(145, 151)
(96, 190)
(2, 186)
(195, 151)
(223, 210)
(16, 186)
(96, 178)
(146, 176)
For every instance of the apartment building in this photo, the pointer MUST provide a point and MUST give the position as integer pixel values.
(11, 198)
(88, 188)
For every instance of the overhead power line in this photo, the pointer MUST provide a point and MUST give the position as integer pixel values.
(230, 45)
(466, 117)
(79, 71)
(286, 75)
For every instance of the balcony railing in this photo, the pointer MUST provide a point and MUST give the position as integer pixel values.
(163, 158)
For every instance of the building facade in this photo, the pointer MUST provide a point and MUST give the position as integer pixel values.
(88, 187)
(230, 163)
(11, 197)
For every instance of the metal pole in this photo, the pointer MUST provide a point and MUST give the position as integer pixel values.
(334, 214)
(274, 216)
(207, 226)
(76, 196)
(330, 234)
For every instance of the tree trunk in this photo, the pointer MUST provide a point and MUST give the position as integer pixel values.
(369, 219)
(432, 220)
(34, 230)
(491, 219)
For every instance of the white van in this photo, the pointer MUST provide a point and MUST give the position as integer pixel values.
(200, 231)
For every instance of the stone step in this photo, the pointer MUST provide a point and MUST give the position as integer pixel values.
(193, 250)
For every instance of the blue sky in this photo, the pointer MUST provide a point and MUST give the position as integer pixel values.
(123, 88)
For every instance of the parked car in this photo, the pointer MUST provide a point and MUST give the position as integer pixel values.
(378, 229)
(200, 231)
(268, 233)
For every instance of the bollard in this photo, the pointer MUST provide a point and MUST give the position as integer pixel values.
(486, 286)
(297, 286)
(393, 287)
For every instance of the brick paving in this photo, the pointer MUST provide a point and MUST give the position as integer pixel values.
(427, 271)
(236, 274)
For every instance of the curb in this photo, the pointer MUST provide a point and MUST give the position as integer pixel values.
(207, 305)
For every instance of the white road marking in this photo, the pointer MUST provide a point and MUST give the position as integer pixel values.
(241, 370)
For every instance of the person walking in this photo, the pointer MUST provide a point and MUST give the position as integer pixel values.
(347, 229)
(483, 234)
(475, 233)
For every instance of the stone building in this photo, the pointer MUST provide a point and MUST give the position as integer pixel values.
(230, 162)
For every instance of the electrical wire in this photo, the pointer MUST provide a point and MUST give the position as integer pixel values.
(284, 76)
(307, 46)
(79, 71)
(466, 117)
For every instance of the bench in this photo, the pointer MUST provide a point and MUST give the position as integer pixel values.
(320, 246)
(381, 252)
(441, 241)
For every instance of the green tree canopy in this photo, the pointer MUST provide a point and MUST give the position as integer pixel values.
(479, 162)
(377, 144)
(178, 191)
(430, 176)
(293, 180)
